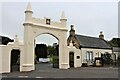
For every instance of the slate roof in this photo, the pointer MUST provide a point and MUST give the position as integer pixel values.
(5, 40)
(91, 42)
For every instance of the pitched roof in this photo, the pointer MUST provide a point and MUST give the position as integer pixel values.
(92, 42)
(115, 42)
(5, 40)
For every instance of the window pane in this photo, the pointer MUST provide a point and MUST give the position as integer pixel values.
(87, 56)
(91, 56)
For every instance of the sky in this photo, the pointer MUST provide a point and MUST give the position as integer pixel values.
(89, 18)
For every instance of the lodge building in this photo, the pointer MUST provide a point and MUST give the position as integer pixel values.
(91, 47)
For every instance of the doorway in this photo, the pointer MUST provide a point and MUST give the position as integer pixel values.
(71, 59)
(15, 60)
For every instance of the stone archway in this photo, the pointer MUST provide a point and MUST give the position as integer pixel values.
(34, 27)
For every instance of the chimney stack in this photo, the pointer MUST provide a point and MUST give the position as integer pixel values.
(72, 31)
(101, 36)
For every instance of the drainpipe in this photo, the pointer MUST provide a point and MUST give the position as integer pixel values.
(81, 57)
(114, 55)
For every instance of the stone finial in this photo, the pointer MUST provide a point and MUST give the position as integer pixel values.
(63, 16)
(16, 38)
(101, 36)
(29, 8)
(101, 33)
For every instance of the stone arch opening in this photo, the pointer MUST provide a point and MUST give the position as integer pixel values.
(46, 49)
(15, 60)
(48, 33)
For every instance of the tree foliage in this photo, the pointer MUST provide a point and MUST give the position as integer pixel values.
(41, 51)
(107, 58)
(115, 42)
(51, 50)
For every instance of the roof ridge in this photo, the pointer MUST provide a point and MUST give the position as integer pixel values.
(87, 36)
(88, 41)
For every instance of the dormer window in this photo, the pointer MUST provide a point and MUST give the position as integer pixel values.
(48, 21)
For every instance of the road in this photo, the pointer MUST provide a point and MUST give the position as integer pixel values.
(46, 71)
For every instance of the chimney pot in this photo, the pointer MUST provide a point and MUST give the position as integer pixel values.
(101, 36)
(72, 27)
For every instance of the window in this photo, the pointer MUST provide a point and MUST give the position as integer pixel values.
(89, 56)
(48, 21)
(78, 57)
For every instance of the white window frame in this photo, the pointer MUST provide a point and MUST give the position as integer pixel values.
(89, 56)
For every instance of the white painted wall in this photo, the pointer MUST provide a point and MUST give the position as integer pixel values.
(0, 59)
(5, 55)
(96, 52)
(117, 54)
(5, 59)
(77, 52)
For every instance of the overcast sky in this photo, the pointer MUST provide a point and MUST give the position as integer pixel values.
(89, 18)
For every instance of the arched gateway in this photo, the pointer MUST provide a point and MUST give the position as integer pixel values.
(34, 27)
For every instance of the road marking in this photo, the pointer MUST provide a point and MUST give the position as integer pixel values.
(38, 77)
(23, 76)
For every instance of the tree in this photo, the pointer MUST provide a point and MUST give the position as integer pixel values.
(41, 51)
(51, 50)
(115, 42)
(107, 58)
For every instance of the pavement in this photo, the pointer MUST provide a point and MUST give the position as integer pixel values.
(46, 71)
